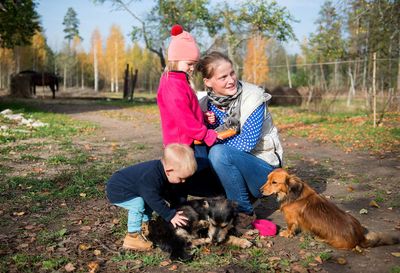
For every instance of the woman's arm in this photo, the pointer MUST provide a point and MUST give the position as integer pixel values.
(250, 132)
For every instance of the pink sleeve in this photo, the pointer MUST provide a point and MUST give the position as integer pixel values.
(178, 107)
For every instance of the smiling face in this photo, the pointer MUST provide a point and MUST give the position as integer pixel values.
(223, 81)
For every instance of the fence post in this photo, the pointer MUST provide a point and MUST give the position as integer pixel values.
(374, 87)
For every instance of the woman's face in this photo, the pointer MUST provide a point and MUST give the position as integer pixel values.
(224, 80)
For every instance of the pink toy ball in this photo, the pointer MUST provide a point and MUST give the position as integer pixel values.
(265, 227)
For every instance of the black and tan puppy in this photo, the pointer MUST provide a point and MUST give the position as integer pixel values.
(209, 221)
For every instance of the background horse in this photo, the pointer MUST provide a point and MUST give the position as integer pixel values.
(42, 79)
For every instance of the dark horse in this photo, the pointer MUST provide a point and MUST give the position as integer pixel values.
(42, 79)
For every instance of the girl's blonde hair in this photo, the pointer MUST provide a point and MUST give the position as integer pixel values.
(180, 157)
(171, 65)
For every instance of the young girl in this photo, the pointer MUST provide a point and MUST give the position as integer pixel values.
(182, 120)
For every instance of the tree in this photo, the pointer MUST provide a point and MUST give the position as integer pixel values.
(234, 25)
(96, 52)
(115, 57)
(71, 25)
(18, 23)
(39, 51)
(255, 68)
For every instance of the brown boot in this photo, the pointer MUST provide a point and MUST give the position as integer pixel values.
(135, 241)
(145, 229)
(244, 221)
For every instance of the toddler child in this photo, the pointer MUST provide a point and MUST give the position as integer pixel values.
(144, 188)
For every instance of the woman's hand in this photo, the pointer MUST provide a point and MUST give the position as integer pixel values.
(209, 116)
(179, 219)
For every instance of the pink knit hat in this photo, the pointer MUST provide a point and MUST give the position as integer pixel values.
(183, 47)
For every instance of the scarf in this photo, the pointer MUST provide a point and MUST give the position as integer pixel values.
(231, 105)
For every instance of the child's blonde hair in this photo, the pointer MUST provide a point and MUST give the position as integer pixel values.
(180, 157)
(171, 66)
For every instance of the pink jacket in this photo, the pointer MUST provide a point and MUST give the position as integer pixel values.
(181, 116)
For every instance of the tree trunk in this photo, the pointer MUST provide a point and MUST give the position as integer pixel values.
(65, 77)
(96, 69)
(288, 71)
(351, 89)
(82, 78)
(374, 87)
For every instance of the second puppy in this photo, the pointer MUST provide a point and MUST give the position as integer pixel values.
(209, 221)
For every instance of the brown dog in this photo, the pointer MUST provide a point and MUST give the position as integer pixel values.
(304, 209)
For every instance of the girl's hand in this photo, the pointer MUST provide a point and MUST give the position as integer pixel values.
(179, 219)
(209, 117)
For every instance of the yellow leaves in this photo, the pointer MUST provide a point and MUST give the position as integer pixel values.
(84, 247)
(374, 204)
(255, 67)
(19, 213)
(93, 267)
(341, 261)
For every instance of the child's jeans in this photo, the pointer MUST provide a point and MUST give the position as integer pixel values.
(138, 212)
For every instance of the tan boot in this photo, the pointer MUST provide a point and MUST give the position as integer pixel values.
(145, 229)
(135, 241)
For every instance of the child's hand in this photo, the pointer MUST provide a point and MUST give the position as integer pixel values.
(209, 117)
(179, 219)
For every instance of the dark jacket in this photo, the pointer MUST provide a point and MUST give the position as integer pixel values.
(147, 180)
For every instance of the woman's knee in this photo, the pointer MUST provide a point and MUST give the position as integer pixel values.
(218, 153)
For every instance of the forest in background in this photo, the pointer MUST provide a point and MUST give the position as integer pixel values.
(337, 57)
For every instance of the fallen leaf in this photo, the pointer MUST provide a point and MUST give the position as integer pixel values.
(396, 254)
(93, 267)
(84, 247)
(115, 221)
(297, 268)
(374, 204)
(86, 228)
(273, 259)
(69, 267)
(363, 211)
(82, 194)
(19, 213)
(97, 252)
(318, 259)
(165, 263)
(341, 260)
(29, 227)
(350, 189)
(173, 267)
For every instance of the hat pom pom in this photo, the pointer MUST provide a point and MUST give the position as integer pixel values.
(176, 30)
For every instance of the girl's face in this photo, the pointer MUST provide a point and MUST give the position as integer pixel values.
(224, 81)
(186, 66)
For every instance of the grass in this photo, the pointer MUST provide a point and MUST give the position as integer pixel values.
(351, 131)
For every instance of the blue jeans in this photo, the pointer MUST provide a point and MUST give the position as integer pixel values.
(240, 173)
(138, 212)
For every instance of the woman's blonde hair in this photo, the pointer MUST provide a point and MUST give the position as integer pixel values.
(180, 157)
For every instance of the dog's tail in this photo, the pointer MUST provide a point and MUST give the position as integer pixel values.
(373, 239)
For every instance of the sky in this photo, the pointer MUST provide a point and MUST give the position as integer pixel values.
(102, 16)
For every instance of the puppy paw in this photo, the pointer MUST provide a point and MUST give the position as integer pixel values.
(286, 233)
(245, 244)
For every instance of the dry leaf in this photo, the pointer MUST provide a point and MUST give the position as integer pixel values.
(19, 213)
(318, 259)
(374, 204)
(97, 252)
(363, 211)
(115, 221)
(86, 228)
(396, 254)
(341, 260)
(93, 267)
(82, 194)
(84, 247)
(273, 259)
(165, 263)
(69, 267)
(297, 268)
(350, 189)
(173, 267)
(29, 227)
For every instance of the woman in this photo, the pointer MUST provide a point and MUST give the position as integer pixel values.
(243, 161)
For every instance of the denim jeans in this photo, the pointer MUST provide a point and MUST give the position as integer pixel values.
(240, 173)
(138, 212)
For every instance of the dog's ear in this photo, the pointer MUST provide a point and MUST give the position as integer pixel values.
(295, 186)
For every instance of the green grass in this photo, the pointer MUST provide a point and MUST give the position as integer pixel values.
(59, 126)
(49, 237)
(351, 131)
